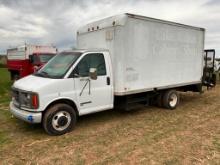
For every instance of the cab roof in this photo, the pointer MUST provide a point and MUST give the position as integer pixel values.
(84, 50)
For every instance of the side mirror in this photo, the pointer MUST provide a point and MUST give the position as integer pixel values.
(93, 73)
(31, 58)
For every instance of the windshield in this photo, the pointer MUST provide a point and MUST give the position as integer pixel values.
(44, 58)
(58, 66)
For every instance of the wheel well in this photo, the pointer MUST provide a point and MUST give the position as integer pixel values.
(66, 101)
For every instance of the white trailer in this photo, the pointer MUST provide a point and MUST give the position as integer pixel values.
(121, 60)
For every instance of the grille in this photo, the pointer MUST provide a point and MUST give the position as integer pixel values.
(20, 98)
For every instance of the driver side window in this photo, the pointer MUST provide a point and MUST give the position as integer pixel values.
(95, 60)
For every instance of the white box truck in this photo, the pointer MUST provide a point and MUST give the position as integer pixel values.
(121, 60)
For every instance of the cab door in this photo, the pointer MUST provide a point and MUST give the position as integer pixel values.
(93, 95)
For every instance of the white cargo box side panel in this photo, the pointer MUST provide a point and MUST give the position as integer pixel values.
(160, 55)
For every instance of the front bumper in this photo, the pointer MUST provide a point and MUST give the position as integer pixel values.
(30, 117)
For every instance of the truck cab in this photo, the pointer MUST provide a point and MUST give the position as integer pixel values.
(26, 59)
(72, 84)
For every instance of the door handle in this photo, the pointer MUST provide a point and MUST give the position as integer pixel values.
(108, 80)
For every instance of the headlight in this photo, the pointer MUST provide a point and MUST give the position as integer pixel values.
(29, 100)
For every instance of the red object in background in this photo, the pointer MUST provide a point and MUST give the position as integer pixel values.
(27, 59)
(19, 68)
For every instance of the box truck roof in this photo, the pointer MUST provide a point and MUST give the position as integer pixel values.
(120, 20)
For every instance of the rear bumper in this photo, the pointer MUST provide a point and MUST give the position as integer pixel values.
(30, 117)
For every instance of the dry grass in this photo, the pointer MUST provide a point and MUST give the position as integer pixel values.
(150, 135)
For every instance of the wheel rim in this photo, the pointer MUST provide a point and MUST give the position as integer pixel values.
(173, 100)
(61, 120)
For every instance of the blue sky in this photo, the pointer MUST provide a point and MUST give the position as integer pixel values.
(56, 21)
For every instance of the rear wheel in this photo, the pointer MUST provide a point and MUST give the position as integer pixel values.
(59, 119)
(170, 99)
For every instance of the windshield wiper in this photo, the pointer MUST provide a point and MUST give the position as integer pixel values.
(42, 74)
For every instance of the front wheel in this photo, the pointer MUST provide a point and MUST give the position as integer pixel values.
(170, 99)
(59, 119)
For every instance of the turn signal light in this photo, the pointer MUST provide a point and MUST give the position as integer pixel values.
(35, 101)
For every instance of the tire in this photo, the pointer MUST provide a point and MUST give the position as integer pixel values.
(170, 99)
(59, 119)
(14, 76)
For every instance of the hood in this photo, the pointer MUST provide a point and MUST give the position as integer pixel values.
(32, 83)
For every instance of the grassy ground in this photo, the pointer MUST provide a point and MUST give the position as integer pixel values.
(150, 135)
(5, 85)
(2, 62)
